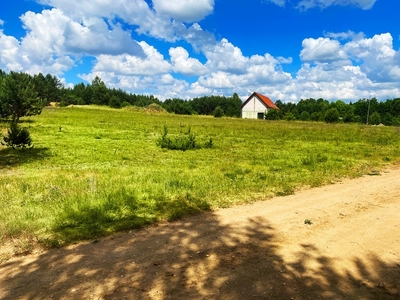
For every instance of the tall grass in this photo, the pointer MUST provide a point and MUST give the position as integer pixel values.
(95, 171)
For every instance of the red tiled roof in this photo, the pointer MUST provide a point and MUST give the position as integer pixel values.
(264, 99)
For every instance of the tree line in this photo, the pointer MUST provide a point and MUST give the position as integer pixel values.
(98, 93)
(22, 94)
(365, 111)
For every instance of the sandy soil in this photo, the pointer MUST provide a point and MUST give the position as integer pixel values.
(260, 251)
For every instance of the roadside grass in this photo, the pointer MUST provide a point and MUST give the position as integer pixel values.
(95, 171)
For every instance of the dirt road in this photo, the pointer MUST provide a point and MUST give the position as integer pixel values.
(349, 250)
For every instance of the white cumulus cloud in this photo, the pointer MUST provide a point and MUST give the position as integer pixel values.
(184, 10)
(376, 55)
(93, 36)
(41, 50)
(133, 12)
(44, 34)
(322, 50)
(185, 65)
(152, 64)
(9, 52)
(225, 56)
(371, 64)
(219, 80)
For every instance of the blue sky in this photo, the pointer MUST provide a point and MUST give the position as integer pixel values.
(285, 49)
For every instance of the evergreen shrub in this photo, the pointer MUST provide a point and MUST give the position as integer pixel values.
(17, 137)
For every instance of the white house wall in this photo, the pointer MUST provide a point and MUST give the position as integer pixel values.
(251, 109)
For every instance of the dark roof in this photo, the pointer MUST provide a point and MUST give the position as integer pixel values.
(264, 99)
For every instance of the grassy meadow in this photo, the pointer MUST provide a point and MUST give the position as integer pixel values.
(95, 170)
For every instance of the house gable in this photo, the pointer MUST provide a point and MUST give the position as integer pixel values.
(256, 105)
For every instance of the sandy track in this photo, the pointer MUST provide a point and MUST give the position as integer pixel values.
(260, 251)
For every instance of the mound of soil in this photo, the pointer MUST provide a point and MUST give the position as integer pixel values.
(154, 108)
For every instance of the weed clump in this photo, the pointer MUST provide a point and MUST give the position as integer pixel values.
(185, 141)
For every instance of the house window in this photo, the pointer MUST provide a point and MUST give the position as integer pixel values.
(260, 116)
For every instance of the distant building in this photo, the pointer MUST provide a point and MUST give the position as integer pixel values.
(256, 105)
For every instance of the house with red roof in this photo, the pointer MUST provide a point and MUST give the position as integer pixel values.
(256, 106)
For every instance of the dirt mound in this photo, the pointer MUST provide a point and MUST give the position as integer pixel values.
(154, 108)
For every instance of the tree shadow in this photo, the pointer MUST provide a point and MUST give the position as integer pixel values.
(20, 121)
(14, 157)
(195, 258)
(26, 121)
(118, 211)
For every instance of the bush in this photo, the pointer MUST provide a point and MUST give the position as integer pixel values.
(185, 141)
(125, 104)
(17, 137)
(273, 114)
(332, 116)
(289, 117)
(218, 112)
(375, 118)
(305, 116)
(71, 100)
(115, 102)
(349, 117)
(316, 116)
(396, 121)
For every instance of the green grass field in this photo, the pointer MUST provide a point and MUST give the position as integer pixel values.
(94, 170)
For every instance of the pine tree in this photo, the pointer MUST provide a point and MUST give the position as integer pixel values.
(18, 97)
(17, 137)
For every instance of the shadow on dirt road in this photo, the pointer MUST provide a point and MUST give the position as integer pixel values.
(195, 258)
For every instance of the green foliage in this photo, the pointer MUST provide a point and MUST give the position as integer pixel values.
(218, 112)
(125, 104)
(48, 87)
(305, 116)
(348, 112)
(115, 102)
(70, 100)
(100, 93)
(185, 141)
(349, 117)
(273, 114)
(17, 137)
(316, 116)
(375, 118)
(18, 97)
(205, 105)
(289, 117)
(209, 143)
(332, 116)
